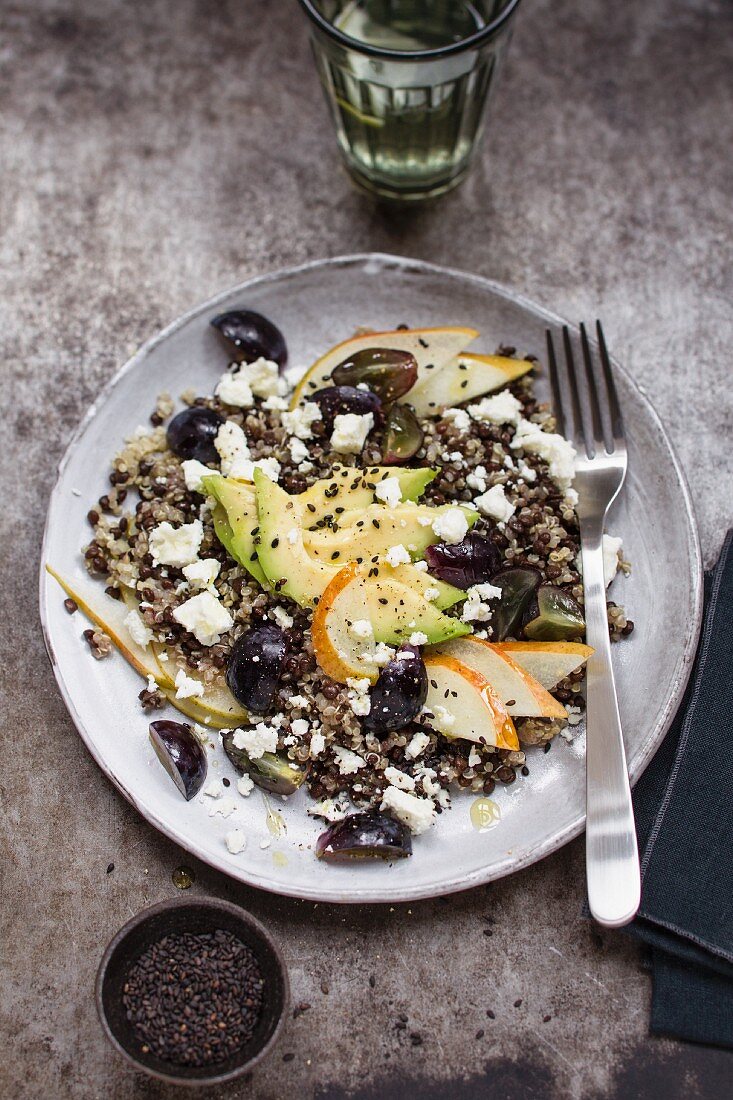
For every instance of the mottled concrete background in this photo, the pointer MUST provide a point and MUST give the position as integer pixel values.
(155, 152)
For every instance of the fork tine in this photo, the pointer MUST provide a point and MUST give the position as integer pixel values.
(555, 385)
(578, 427)
(595, 411)
(617, 424)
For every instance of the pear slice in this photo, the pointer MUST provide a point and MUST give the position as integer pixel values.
(521, 694)
(432, 348)
(109, 615)
(547, 662)
(217, 708)
(466, 377)
(395, 611)
(464, 705)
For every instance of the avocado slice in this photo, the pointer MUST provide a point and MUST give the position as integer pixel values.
(350, 489)
(360, 535)
(282, 556)
(447, 596)
(234, 528)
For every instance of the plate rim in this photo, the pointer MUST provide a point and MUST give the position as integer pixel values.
(509, 864)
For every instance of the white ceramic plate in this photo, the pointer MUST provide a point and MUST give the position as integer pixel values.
(316, 306)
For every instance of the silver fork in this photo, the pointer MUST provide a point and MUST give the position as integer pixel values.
(612, 858)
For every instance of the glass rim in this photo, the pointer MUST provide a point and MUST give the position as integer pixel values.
(471, 42)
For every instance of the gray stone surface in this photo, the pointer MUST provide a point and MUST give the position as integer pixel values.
(154, 153)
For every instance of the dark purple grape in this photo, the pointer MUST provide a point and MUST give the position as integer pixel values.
(181, 754)
(370, 835)
(191, 434)
(249, 336)
(255, 666)
(517, 586)
(403, 436)
(553, 616)
(272, 771)
(466, 563)
(399, 693)
(334, 401)
(388, 373)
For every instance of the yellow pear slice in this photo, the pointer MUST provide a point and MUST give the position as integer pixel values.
(432, 348)
(547, 662)
(464, 705)
(520, 693)
(464, 378)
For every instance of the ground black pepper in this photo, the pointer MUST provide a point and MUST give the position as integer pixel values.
(194, 998)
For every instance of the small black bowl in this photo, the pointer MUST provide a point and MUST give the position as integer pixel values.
(206, 915)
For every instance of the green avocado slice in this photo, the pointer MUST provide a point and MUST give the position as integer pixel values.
(234, 528)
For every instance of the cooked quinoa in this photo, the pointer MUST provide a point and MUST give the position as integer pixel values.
(147, 487)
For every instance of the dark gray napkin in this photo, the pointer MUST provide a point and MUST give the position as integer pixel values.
(684, 815)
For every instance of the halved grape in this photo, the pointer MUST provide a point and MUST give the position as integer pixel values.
(553, 616)
(191, 433)
(271, 771)
(403, 437)
(399, 693)
(255, 666)
(249, 336)
(387, 372)
(334, 401)
(472, 561)
(517, 586)
(370, 835)
(181, 754)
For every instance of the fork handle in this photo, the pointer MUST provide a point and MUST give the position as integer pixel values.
(612, 858)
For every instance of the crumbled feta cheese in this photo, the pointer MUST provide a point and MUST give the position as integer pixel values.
(234, 389)
(152, 683)
(299, 727)
(224, 806)
(571, 496)
(442, 719)
(460, 418)
(500, 408)
(381, 655)
(530, 475)
(431, 594)
(245, 785)
(186, 686)
(203, 573)
(399, 779)
(389, 491)
(417, 813)
(418, 638)
(298, 449)
(495, 505)
(299, 422)
(256, 740)
(358, 695)
(350, 431)
(348, 762)
(282, 618)
(474, 758)
(299, 701)
(398, 555)
(558, 452)
(214, 789)
(362, 629)
(175, 545)
(474, 610)
(204, 617)
(275, 402)
(193, 471)
(451, 526)
(417, 745)
(611, 556)
(270, 467)
(232, 448)
(421, 566)
(318, 744)
(477, 479)
(141, 634)
(328, 809)
(236, 841)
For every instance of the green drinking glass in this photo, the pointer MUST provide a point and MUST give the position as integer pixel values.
(408, 83)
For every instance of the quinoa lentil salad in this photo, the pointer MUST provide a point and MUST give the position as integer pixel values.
(365, 578)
